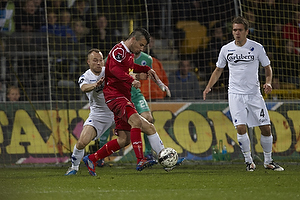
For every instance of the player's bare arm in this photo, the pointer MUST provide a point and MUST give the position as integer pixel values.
(92, 86)
(141, 76)
(213, 79)
(152, 74)
(268, 85)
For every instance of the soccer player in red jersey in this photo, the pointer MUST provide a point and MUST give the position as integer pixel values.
(129, 124)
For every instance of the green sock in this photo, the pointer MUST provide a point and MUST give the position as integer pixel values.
(103, 138)
(148, 149)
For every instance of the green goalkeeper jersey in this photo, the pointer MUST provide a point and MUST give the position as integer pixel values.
(143, 59)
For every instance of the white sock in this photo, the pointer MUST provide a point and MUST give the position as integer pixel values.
(155, 142)
(244, 142)
(77, 155)
(266, 143)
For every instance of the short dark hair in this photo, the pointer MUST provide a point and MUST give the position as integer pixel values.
(139, 33)
(241, 20)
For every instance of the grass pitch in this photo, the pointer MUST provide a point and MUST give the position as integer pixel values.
(189, 182)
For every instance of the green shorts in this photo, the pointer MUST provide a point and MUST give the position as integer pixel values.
(139, 101)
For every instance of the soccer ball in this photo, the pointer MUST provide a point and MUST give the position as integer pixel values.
(168, 157)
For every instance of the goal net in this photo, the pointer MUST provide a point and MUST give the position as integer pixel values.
(43, 52)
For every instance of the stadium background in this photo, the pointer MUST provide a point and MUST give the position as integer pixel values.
(43, 126)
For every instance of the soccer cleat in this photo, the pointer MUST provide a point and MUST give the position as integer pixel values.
(90, 165)
(100, 163)
(145, 163)
(179, 162)
(274, 166)
(250, 167)
(71, 171)
(151, 157)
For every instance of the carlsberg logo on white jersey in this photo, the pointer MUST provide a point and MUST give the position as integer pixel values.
(231, 57)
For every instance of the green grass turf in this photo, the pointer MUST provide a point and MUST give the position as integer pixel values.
(189, 182)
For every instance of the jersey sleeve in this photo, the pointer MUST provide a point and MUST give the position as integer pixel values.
(83, 80)
(262, 57)
(151, 62)
(221, 63)
(139, 68)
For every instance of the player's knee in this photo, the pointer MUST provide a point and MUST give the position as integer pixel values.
(80, 145)
(241, 129)
(265, 130)
(148, 128)
(152, 128)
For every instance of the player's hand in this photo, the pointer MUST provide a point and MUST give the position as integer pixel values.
(136, 84)
(167, 91)
(101, 80)
(267, 88)
(206, 91)
(152, 74)
(164, 88)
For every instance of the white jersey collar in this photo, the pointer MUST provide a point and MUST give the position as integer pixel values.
(122, 42)
(243, 45)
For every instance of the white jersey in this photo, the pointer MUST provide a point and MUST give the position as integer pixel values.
(243, 63)
(98, 107)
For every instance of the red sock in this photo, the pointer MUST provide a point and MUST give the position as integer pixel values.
(136, 141)
(109, 148)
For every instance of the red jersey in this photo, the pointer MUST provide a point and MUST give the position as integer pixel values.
(117, 79)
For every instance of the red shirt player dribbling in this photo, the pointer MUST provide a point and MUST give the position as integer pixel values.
(118, 83)
(118, 97)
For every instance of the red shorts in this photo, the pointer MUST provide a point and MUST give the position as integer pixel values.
(118, 107)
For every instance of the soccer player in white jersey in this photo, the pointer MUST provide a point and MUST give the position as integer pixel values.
(100, 118)
(247, 106)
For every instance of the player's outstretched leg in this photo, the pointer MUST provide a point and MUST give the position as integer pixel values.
(90, 165)
(179, 162)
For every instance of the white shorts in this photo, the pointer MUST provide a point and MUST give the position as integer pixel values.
(101, 124)
(247, 109)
